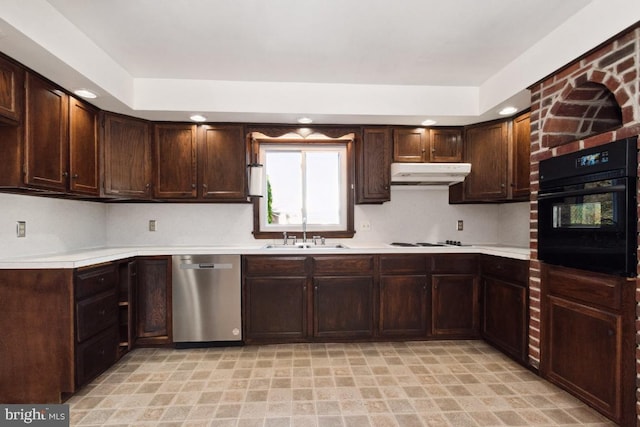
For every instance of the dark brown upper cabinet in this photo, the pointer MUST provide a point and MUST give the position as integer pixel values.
(83, 148)
(410, 145)
(127, 157)
(521, 158)
(222, 163)
(11, 91)
(373, 166)
(175, 148)
(446, 145)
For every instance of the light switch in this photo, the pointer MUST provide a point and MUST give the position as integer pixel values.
(153, 225)
(21, 229)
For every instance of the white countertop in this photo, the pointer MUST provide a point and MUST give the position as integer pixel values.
(82, 258)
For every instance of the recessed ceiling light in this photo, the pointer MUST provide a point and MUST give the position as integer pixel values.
(198, 118)
(305, 120)
(507, 110)
(429, 122)
(85, 93)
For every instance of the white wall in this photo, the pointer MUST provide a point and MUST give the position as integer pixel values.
(53, 225)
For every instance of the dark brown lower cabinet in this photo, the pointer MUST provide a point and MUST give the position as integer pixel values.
(343, 307)
(403, 296)
(588, 338)
(454, 305)
(154, 301)
(504, 305)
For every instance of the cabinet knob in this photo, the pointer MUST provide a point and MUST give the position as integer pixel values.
(502, 185)
(193, 186)
(147, 186)
(65, 174)
(101, 280)
(205, 187)
(610, 332)
(74, 176)
(386, 187)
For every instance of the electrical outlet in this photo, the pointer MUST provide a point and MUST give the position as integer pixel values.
(21, 229)
(365, 226)
(153, 225)
(460, 225)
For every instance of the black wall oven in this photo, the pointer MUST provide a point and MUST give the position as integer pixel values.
(587, 209)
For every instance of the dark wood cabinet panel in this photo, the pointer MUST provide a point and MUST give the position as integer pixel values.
(521, 158)
(175, 153)
(454, 305)
(410, 145)
(275, 308)
(96, 355)
(343, 307)
(127, 157)
(333, 265)
(373, 167)
(446, 145)
(504, 305)
(154, 300)
(222, 163)
(46, 142)
(403, 306)
(83, 148)
(11, 91)
(486, 148)
(587, 342)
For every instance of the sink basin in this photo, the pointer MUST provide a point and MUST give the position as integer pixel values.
(299, 246)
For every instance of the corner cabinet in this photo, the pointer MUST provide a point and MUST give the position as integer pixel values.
(373, 163)
(126, 157)
(504, 305)
(588, 338)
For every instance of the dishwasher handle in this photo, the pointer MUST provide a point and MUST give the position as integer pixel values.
(207, 266)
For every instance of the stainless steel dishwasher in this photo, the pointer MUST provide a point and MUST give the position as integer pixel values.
(206, 300)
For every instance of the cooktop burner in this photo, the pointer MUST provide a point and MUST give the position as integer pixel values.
(415, 245)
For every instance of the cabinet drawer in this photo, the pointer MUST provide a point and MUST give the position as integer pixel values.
(95, 314)
(96, 355)
(341, 265)
(453, 263)
(512, 270)
(403, 264)
(599, 289)
(274, 266)
(93, 280)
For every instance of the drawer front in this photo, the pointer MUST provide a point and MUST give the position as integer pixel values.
(96, 355)
(512, 270)
(599, 289)
(94, 280)
(95, 314)
(403, 264)
(274, 266)
(340, 265)
(454, 263)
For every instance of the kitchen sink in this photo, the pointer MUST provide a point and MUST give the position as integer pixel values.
(306, 246)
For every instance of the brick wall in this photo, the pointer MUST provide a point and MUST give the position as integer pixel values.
(593, 101)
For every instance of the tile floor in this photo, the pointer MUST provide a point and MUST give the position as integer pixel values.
(434, 383)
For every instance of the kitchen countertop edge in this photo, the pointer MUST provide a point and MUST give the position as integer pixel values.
(88, 257)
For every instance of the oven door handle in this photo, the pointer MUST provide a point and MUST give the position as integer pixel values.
(584, 192)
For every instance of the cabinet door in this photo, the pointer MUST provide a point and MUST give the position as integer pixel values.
(504, 316)
(222, 163)
(11, 91)
(153, 302)
(583, 353)
(175, 161)
(520, 159)
(403, 305)
(275, 308)
(47, 144)
(83, 148)
(409, 145)
(374, 160)
(127, 157)
(343, 307)
(446, 145)
(486, 148)
(454, 305)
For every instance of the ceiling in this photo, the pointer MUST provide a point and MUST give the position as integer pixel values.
(336, 61)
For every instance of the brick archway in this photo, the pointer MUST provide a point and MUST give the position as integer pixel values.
(589, 104)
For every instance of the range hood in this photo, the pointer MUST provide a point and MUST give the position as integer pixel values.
(440, 174)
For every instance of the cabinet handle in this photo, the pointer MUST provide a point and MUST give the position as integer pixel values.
(74, 176)
(101, 280)
(315, 288)
(65, 174)
(610, 332)
(502, 185)
(205, 186)
(386, 187)
(193, 186)
(304, 287)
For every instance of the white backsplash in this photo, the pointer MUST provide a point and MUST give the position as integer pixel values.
(55, 225)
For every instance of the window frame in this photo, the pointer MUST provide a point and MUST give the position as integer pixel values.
(257, 139)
